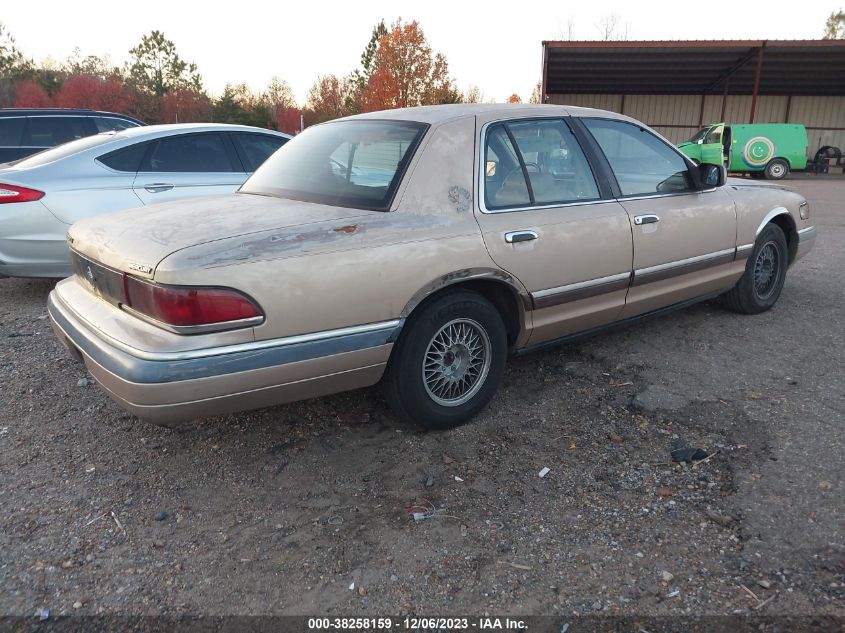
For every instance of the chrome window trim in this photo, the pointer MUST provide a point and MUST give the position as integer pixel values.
(482, 206)
(651, 196)
(770, 216)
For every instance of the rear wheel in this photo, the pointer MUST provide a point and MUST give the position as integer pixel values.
(765, 272)
(448, 362)
(777, 169)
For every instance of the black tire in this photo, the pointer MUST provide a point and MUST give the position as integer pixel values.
(412, 396)
(777, 169)
(765, 271)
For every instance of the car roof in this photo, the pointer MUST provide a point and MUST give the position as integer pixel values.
(16, 112)
(165, 129)
(437, 114)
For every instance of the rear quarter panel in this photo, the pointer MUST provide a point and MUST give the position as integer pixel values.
(332, 275)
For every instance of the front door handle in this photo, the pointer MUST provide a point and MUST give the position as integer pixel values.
(645, 219)
(158, 187)
(520, 236)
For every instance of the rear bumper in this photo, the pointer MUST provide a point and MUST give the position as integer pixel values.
(32, 242)
(172, 387)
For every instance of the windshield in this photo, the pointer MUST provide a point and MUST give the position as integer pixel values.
(347, 164)
(66, 149)
(698, 135)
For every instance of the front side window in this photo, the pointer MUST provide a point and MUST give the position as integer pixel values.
(545, 166)
(641, 162)
(347, 164)
(714, 135)
(204, 152)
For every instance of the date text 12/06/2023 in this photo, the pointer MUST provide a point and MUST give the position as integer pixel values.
(409, 623)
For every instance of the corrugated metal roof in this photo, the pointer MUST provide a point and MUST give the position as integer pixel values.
(796, 67)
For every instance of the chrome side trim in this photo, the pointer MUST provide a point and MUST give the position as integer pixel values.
(682, 266)
(770, 216)
(807, 234)
(744, 251)
(393, 324)
(580, 290)
(76, 335)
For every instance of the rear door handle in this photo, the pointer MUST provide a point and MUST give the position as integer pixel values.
(158, 187)
(645, 219)
(520, 236)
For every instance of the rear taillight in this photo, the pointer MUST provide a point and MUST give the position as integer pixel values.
(16, 193)
(189, 306)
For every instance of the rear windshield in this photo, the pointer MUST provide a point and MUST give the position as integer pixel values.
(348, 164)
(67, 149)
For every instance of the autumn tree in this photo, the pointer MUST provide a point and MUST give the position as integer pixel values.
(360, 77)
(406, 73)
(30, 95)
(514, 98)
(834, 27)
(156, 67)
(328, 99)
(278, 99)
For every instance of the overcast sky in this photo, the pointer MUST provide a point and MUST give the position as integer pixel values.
(494, 45)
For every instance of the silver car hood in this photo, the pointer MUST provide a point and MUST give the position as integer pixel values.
(137, 240)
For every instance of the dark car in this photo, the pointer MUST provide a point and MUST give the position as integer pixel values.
(25, 131)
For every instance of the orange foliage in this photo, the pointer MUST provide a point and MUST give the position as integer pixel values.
(184, 106)
(31, 95)
(405, 71)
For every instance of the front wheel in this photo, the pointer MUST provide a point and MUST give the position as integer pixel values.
(777, 169)
(448, 361)
(765, 272)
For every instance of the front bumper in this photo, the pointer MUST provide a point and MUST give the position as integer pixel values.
(175, 386)
(806, 239)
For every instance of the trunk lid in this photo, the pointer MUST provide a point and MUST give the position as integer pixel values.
(137, 240)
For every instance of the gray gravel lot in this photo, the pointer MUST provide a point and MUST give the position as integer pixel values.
(302, 509)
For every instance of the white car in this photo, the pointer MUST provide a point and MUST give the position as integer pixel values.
(42, 195)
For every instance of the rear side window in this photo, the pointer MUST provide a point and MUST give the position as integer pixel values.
(548, 167)
(47, 131)
(504, 181)
(204, 152)
(256, 148)
(127, 159)
(641, 162)
(112, 124)
(11, 132)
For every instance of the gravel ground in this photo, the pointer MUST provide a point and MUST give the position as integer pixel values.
(302, 509)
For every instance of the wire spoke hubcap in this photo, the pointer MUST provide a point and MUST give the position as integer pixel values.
(456, 362)
(766, 270)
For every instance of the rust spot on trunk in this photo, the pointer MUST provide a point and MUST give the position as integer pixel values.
(349, 228)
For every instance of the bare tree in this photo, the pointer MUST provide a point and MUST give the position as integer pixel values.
(612, 29)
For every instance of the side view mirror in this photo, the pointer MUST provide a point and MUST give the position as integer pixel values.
(700, 141)
(712, 175)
